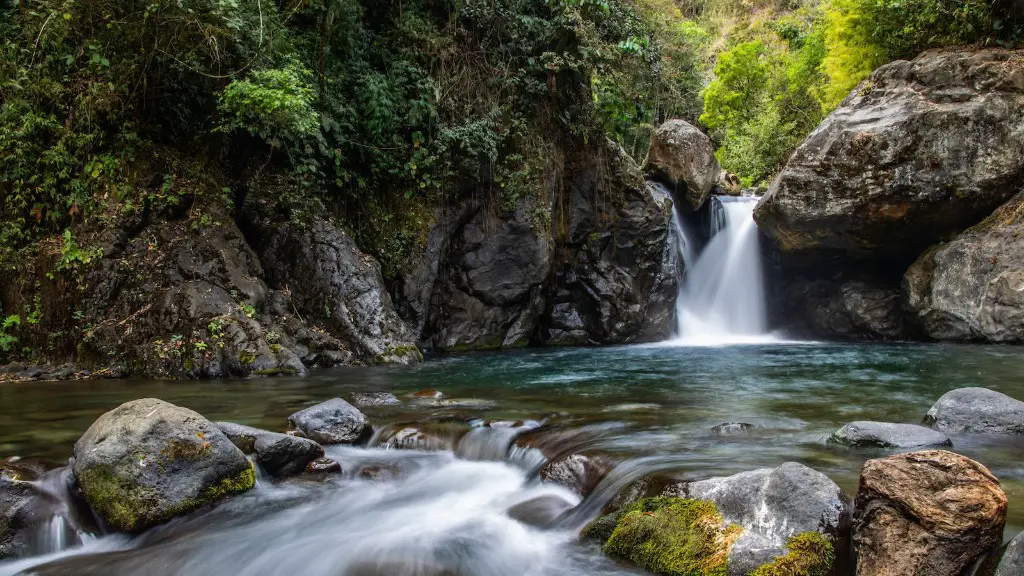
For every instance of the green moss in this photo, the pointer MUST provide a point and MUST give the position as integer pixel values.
(673, 537)
(237, 484)
(180, 449)
(810, 554)
(602, 528)
(394, 352)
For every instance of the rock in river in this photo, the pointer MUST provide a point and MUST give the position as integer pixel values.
(279, 454)
(924, 149)
(889, 435)
(147, 461)
(333, 422)
(930, 512)
(682, 157)
(977, 411)
(1012, 563)
(22, 512)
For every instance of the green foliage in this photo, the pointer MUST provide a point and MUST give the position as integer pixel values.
(276, 105)
(9, 325)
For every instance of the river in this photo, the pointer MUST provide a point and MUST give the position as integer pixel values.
(445, 509)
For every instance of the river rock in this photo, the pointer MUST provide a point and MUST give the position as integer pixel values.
(22, 513)
(972, 287)
(923, 149)
(682, 157)
(375, 399)
(333, 422)
(576, 472)
(977, 411)
(323, 466)
(930, 512)
(840, 305)
(732, 429)
(278, 454)
(148, 461)
(1012, 562)
(541, 511)
(774, 506)
(889, 435)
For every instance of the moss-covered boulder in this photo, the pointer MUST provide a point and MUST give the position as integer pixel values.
(148, 461)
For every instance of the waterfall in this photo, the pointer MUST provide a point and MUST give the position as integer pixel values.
(721, 298)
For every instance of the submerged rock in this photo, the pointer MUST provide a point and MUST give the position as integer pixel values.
(148, 461)
(333, 422)
(683, 158)
(323, 466)
(930, 512)
(889, 435)
(922, 150)
(970, 288)
(375, 399)
(977, 411)
(541, 511)
(732, 428)
(1012, 563)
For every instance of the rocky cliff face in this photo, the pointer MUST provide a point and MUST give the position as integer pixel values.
(921, 151)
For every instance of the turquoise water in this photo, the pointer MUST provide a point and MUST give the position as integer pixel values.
(663, 400)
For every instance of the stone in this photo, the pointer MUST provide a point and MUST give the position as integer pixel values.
(541, 512)
(922, 150)
(977, 411)
(972, 287)
(846, 305)
(773, 506)
(323, 466)
(23, 511)
(576, 472)
(333, 422)
(1012, 562)
(284, 455)
(889, 435)
(375, 399)
(928, 512)
(147, 461)
(682, 157)
(732, 429)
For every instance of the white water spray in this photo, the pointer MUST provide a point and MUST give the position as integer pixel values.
(721, 299)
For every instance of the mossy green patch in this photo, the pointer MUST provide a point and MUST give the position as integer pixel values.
(601, 529)
(810, 554)
(236, 484)
(673, 537)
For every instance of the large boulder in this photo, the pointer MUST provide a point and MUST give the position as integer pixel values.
(1012, 562)
(774, 506)
(682, 157)
(333, 422)
(972, 287)
(889, 435)
(922, 150)
(977, 411)
(930, 512)
(148, 461)
(328, 277)
(840, 306)
(278, 454)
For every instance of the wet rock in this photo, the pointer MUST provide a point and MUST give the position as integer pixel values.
(333, 422)
(889, 435)
(576, 472)
(541, 511)
(22, 512)
(682, 157)
(30, 373)
(323, 466)
(846, 305)
(732, 429)
(429, 393)
(922, 150)
(328, 275)
(422, 435)
(279, 454)
(977, 411)
(929, 512)
(969, 288)
(1012, 562)
(148, 461)
(774, 506)
(375, 399)
(378, 472)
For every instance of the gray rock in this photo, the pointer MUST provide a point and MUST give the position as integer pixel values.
(323, 466)
(732, 428)
(333, 422)
(889, 435)
(278, 454)
(576, 472)
(847, 305)
(922, 150)
(772, 504)
(977, 411)
(329, 278)
(22, 513)
(541, 511)
(1012, 563)
(148, 461)
(970, 288)
(682, 157)
(375, 399)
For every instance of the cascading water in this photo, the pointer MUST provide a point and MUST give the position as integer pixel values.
(721, 298)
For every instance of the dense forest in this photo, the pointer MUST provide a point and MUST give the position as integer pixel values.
(378, 112)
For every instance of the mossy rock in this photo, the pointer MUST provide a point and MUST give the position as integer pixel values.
(810, 554)
(147, 461)
(673, 537)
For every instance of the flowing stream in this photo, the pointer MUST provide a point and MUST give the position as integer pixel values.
(449, 510)
(721, 298)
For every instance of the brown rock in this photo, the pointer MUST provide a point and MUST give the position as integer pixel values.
(931, 512)
(682, 157)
